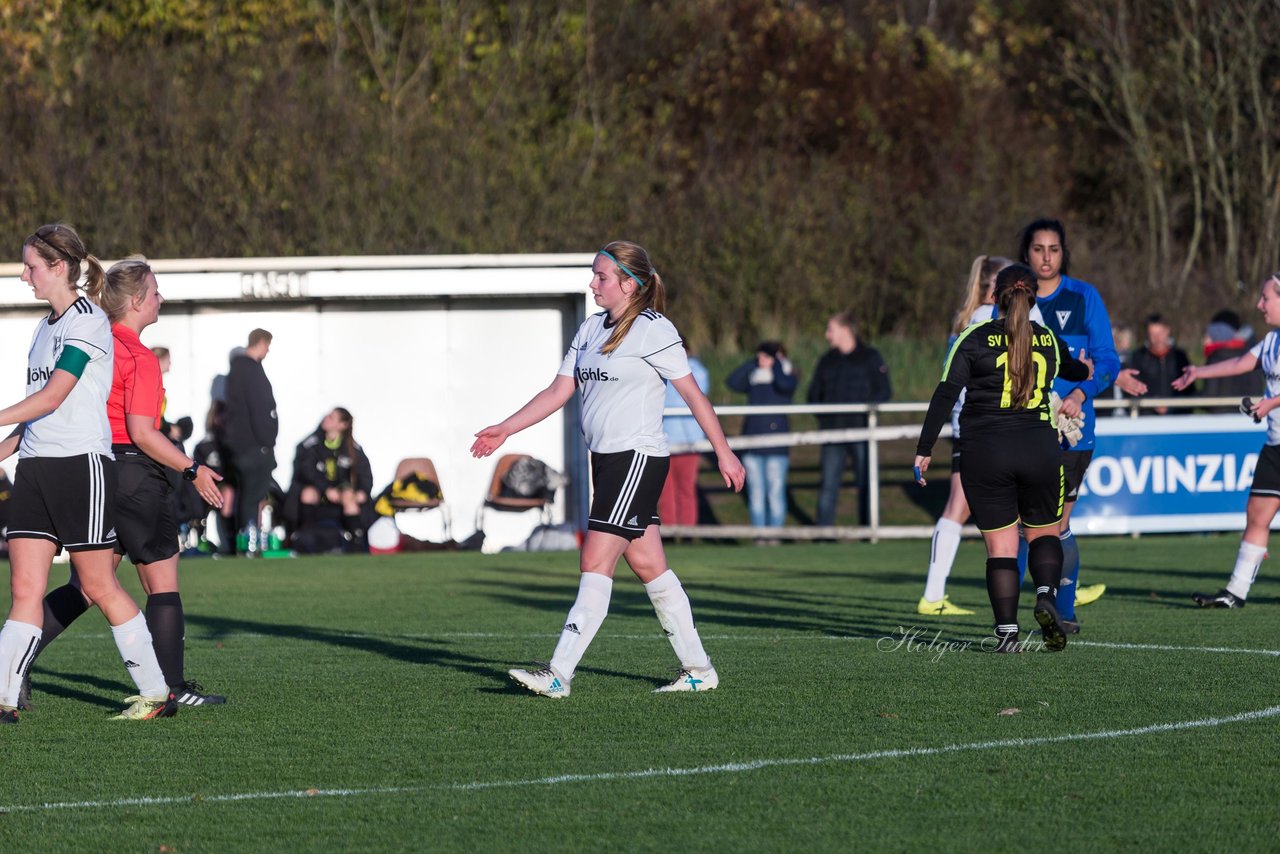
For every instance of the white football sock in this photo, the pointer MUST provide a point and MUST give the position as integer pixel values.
(1248, 560)
(675, 615)
(18, 645)
(942, 554)
(585, 617)
(133, 639)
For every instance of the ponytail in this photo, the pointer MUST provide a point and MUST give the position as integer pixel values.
(1015, 294)
(95, 278)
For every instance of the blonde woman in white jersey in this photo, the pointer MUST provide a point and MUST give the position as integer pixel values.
(1264, 493)
(618, 362)
(978, 307)
(64, 492)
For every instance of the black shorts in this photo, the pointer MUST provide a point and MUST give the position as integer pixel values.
(1266, 474)
(69, 501)
(1013, 476)
(1074, 465)
(145, 527)
(627, 485)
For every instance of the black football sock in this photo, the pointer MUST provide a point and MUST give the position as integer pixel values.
(1002, 589)
(61, 608)
(1044, 562)
(168, 631)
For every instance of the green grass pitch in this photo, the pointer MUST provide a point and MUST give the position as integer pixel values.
(370, 711)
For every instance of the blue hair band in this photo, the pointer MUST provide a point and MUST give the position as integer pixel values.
(622, 267)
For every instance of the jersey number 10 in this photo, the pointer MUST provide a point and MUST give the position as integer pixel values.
(1041, 366)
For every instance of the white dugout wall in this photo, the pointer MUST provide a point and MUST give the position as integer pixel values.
(423, 350)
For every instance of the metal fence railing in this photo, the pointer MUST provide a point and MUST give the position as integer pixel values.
(873, 434)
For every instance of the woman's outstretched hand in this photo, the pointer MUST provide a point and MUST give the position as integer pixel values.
(488, 440)
(1187, 378)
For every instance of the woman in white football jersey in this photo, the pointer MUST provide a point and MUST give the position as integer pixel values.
(1264, 493)
(978, 307)
(63, 495)
(619, 361)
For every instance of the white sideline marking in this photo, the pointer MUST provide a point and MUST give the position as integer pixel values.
(748, 638)
(1164, 648)
(819, 638)
(609, 776)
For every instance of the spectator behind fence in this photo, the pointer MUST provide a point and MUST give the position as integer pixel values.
(849, 372)
(211, 452)
(678, 503)
(768, 379)
(1226, 339)
(250, 437)
(177, 432)
(1159, 362)
(1127, 380)
(332, 482)
(1122, 334)
(185, 499)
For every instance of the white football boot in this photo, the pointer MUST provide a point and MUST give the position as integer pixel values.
(701, 679)
(541, 680)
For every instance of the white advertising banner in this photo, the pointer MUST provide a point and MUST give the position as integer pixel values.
(1169, 473)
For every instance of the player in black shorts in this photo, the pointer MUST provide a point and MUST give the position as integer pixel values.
(618, 363)
(146, 529)
(66, 475)
(1011, 468)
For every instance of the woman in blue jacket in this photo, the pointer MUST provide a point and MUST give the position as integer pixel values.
(678, 503)
(767, 380)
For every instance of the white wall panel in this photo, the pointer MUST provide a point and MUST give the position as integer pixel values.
(423, 358)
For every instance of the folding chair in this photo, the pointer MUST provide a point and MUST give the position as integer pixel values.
(495, 500)
(426, 470)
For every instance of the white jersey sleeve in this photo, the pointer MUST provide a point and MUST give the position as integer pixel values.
(666, 350)
(1267, 352)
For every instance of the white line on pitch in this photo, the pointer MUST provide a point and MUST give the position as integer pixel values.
(616, 776)
(1164, 648)
(829, 639)
(746, 638)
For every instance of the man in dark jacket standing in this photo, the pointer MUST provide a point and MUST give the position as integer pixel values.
(251, 429)
(1158, 362)
(847, 373)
